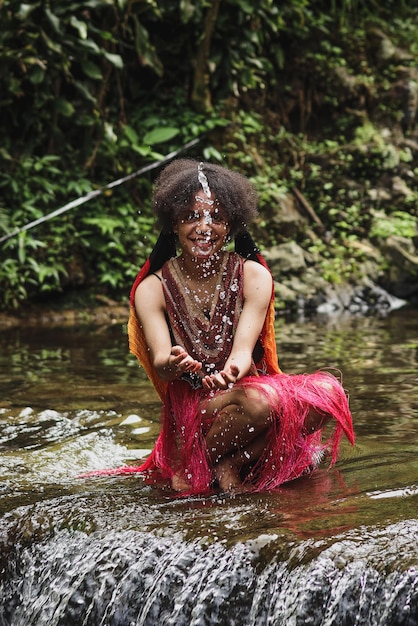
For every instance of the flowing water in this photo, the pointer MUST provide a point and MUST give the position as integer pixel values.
(337, 548)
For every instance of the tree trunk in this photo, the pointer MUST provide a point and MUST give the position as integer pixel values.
(201, 95)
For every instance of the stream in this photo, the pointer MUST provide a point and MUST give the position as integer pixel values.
(339, 547)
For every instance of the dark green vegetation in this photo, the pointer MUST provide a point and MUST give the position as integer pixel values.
(315, 101)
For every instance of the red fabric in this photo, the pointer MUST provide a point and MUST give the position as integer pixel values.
(207, 335)
(180, 447)
(143, 272)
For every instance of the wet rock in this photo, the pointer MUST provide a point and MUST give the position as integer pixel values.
(284, 219)
(362, 299)
(44, 315)
(286, 258)
(403, 272)
(400, 188)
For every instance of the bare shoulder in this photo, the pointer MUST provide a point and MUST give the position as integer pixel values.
(149, 293)
(254, 271)
(258, 284)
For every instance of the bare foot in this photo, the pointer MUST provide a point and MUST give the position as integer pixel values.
(228, 476)
(179, 483)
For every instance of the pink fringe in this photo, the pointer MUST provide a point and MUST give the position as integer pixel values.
(290, 453)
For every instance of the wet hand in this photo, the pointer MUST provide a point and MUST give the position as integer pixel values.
(225, 379)
(180, 361)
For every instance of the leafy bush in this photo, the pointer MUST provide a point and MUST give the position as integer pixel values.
(93, 91)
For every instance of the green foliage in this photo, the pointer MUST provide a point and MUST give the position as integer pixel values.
(399, 223)
(101, 243)
(303, 94)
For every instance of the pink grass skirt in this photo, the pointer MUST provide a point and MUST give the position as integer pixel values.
(289, 453)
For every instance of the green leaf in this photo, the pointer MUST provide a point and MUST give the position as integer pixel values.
(21, 252)
(64, 107)
(5, 155)
(106, 225)
(146, 52)
(52, 45)
(246, 7)
(37, 75)
(54, 20)
(131, 134)
(25, 10)
(146, 151)
(92, 70)
(159, 135)
(114, 59)
(80, 26)
(82, 89)
(186, 10)
(90, 45)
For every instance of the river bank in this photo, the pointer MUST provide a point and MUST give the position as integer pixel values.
(301, 291)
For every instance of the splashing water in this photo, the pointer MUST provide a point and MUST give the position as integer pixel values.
(205, 186)
(91, 576)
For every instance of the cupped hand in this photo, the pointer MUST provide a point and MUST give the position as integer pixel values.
(225, 379)
(180, 361)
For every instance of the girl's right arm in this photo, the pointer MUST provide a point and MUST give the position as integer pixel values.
(169, 361)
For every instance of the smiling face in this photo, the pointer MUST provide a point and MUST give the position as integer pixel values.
(203, 230)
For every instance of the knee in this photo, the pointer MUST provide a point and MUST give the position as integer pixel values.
(330, 387)
(256, 405)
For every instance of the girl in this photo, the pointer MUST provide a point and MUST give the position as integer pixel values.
(202, 325)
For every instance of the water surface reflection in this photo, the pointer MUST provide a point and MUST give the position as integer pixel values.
(73, 400)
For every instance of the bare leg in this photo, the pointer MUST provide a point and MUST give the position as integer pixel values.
(315, 421)
(241, 416)
(227, 471)
(237, 435)
(227, 475)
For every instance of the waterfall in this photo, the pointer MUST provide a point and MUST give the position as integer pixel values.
(121, 577)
